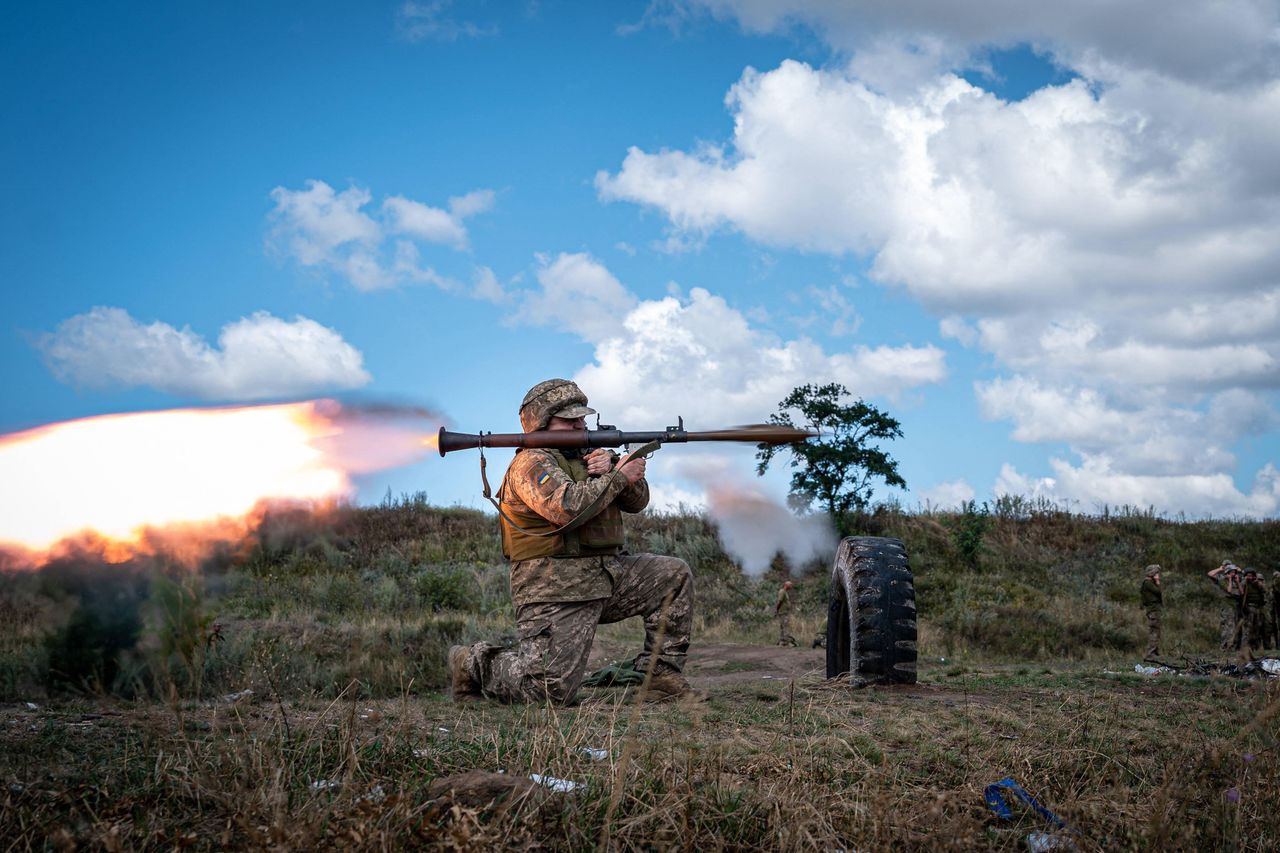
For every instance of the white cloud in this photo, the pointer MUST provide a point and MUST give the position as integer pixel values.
(949, 495)
(956, 328)
(317, 221)
(1095, 484)
(578, 295)
(1112, 242)
(1155, 438)
(426, 223)
(331, 231)
(702, 358)
(666, 497)
(257, 357)
(1224, 44)
(696, 355)
(405, 216)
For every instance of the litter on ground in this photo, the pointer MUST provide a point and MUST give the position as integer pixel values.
(563, 786)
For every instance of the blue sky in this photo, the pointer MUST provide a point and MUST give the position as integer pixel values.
(1025, 235)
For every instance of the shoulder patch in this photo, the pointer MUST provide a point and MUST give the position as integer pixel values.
(543, 477)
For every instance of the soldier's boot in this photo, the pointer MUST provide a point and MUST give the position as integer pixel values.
(463, 683)
(667, 685)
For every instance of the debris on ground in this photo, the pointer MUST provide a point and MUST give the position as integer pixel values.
(1269, 668)
(1043, 842)
(1039, 842)
(232, 698)
(594, 754)
(563, 786)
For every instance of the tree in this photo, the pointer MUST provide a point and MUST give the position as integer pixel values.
(836, 469)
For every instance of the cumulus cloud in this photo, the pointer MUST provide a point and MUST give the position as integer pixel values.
(379, 248)
(696, 355)
(257, 357)
(1225, 44)
(702, 358)
(1095, 483)
(579, 295)
(1112, 241)
(948, 495)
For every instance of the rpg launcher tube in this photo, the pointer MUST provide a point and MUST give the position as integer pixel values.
(569, 438)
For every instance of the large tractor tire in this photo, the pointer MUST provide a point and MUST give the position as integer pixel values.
(871, 617)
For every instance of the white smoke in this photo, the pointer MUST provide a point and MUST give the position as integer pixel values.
(753, 526)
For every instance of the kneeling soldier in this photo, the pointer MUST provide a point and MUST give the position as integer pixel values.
(561, 521)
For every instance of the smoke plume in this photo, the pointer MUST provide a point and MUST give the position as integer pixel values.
(754, 527)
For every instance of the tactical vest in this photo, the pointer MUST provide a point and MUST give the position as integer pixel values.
(602, 534)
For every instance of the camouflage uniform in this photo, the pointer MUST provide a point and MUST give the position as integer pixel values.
(1152, 604)
(782, 609)
(1252, 624)
(1274, 593)
(1229, 621)
(563, 584)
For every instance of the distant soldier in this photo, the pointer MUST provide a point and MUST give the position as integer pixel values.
(1275, 610)
(782, 609)
(1227, 578)
(1252, 627)
(1152, 604)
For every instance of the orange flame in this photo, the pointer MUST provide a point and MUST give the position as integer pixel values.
(116, 477)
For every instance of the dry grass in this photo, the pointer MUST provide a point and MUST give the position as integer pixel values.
(1129, 763)
(339, 627)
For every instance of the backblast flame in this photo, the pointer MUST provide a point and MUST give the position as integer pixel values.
(115, 477)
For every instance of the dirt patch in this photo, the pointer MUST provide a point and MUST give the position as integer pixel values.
(718, 664)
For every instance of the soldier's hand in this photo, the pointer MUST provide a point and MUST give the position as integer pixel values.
(634, 470)
(599, 462)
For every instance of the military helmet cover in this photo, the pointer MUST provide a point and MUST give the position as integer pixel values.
(1152, 570)
(554, 398)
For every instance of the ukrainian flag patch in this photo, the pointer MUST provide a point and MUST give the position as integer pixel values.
(546, 475)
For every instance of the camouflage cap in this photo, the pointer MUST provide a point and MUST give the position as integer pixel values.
(1251, 571)
(1152, 570)
(554, 398)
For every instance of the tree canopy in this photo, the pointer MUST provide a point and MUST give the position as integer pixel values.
(837, 469)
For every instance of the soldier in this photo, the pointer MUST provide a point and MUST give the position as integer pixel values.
(561, 522)
(1275, 610)
(1252, 627)
(1152, 604)
(782, 609)
(1226, 578)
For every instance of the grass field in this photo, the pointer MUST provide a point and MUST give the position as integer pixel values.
(1129, 762)
(337, 624)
